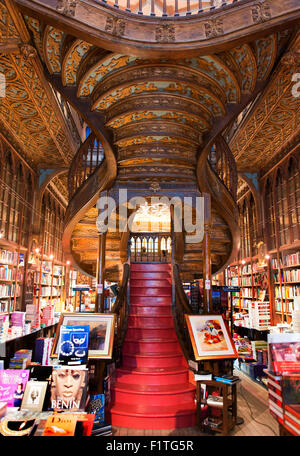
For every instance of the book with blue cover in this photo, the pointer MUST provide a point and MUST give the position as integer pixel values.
(74, 341)
(96, 406)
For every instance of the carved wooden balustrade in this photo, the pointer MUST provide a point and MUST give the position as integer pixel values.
(223, 164)
(167, 8)
(150, 247)
(89, 156)
(181, 307)
(121, 309)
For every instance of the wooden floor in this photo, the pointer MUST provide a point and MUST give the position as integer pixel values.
(257, 397)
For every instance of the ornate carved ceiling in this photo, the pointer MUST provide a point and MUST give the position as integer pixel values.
(29, 115)
(273, 121)
(158, 109)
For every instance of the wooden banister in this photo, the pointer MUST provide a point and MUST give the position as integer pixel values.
(121, 309)
(88, 157)
(181, 307)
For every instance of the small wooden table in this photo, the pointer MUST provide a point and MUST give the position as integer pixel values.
(229, 408)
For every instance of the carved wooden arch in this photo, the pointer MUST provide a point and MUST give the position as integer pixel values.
(179, 237)
(120, 31)
(40, 192)
(258, 204)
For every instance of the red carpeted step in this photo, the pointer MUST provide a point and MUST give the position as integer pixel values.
(139, 321)
(150, 333)
(138, 291)
(146, 417)
(152, 360)
(144, 346)
(150, 300)
(150, 283)
(156, 395)
(161, 275)
(149, 376)
(152, 389)
(150, 310)
(150, 267)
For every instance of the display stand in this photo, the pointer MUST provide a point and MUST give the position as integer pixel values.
(229, 407)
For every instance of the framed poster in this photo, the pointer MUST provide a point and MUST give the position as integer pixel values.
(210, 337)
(101, 332)
(34, 396)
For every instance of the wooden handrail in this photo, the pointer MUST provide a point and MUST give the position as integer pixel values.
(222, 163)
(182, 297)
(123, 288)
(88, 157)
(181, 307)
(121, 309)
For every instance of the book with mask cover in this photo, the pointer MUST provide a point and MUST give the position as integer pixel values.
(73, 348)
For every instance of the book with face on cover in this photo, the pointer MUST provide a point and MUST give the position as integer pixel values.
(68, 388)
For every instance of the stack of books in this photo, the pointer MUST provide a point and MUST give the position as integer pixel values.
(229, 379)
(101, 429)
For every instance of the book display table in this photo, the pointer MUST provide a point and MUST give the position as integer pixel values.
(226, 402)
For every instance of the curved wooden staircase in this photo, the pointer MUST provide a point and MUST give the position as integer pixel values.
(152, 389)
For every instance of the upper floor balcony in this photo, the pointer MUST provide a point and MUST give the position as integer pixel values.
(167, 8)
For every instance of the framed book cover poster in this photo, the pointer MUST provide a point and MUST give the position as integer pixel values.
(34, 396)
(210, 337)
(101, 332)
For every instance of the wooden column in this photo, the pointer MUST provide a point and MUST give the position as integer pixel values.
(99, 307)
(207, 282)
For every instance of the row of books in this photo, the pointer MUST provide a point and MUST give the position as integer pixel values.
(288, 306)
(11, 258)
(8, 290)
(7, 273)
(288, 260)
(46, 291)
(287, 291)
(6, 306)
(292, 275)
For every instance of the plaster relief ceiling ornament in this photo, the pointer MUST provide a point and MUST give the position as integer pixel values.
(27, 51)
(155, 187)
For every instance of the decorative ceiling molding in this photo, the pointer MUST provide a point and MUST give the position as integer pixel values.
(274, 119)
(120, 31)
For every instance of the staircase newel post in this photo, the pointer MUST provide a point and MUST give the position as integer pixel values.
(99, 307)
(100, 272)
(207, 286)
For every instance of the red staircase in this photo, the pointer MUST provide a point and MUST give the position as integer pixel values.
(152, 390)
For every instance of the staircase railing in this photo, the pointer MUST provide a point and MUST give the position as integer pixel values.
(89, 156)
(150, 247)
(121, 309)
(223, 164)
(167, 8)
(213, 170)
(181, 307)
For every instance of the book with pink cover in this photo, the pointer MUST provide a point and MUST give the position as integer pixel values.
(12, 386)
(284, 353)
